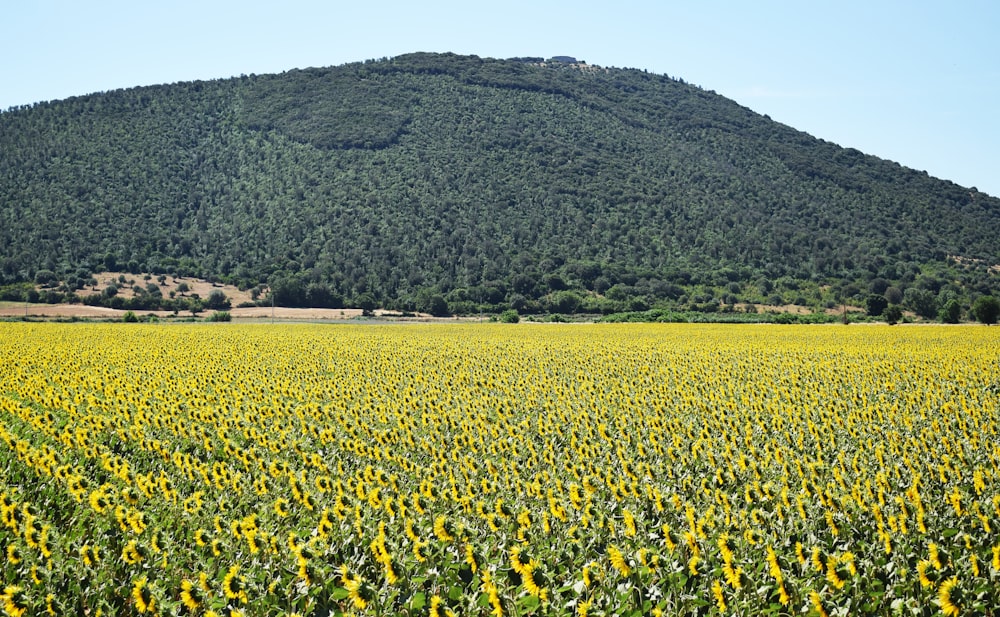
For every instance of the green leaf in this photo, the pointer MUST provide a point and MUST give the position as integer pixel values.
(418, 601)
(339, 593)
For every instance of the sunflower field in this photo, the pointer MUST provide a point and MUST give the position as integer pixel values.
(491, 469)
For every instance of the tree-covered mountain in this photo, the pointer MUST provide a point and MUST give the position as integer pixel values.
(479, 182)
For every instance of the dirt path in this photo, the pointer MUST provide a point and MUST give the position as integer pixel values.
(83, 311)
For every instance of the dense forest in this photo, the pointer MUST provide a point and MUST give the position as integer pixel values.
(453, 183)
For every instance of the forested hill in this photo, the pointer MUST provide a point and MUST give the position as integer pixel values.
(484, 182)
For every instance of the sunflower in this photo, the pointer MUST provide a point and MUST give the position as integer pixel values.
(693, 565)
(142, 596)
(234, 586)
(15, 604)
(325, 525)
(922, 567)
(817, 603)
(281, 507)
(441, 529)
(99, 500)
(720, 600)
(131, 554)
(357, 591)
(533, 581)
(89, 555)
(201, 537)
(618, 561)
(323, 484)
(43, 542)
(191, 595)
(947, 597)
(193, 504)
(435, 603)
(470, 558)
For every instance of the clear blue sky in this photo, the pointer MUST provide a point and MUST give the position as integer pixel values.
(916, 82)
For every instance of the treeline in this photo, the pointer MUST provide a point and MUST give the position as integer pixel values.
(684, 299)
(146, 298)
(437, 182)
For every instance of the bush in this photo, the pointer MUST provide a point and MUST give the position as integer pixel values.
(510, 316)
(220, 316)
(130, 317)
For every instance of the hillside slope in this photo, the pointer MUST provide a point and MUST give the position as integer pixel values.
(485, 181)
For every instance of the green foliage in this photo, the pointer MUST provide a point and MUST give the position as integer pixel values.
(217, 301)
(923, 302)
(510, 316)
(669, 316)
(893, 313)
(46, 278)
(951, 312)
(538, 186)
(876, 304)
(986, 309)
(130, 317)
(220, 316)
(431, 303)
(15, 292)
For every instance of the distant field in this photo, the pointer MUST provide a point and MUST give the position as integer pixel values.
(499, 469)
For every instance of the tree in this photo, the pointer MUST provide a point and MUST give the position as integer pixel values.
(986, 309)
(563, 302)
(876, 304)
(921, 301)
(217, 301)
(432, 303)
(878, 285)
(893, 314)
(195, 306)
(951, 312)
(288, 291)
(366, 302)
(319, 295)
(46, 278)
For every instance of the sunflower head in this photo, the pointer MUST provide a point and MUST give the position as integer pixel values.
(191, 595)
(234, 585)
(949, 597)
(142, 596)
